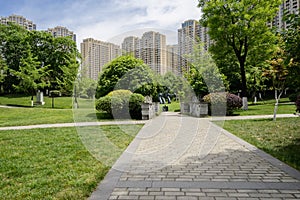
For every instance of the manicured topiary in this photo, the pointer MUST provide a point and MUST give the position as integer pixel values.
(121, 104)
(135, 106)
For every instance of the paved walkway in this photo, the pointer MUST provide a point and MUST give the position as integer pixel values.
(180, 157)
(77, 124)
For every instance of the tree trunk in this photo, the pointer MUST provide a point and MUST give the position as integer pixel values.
(277, 98)
(243, 75)
(31, 100)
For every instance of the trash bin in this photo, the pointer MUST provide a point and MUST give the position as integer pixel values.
(165, 108)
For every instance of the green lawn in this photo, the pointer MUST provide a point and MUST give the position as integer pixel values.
(281, 138)
(52, 163)
(267, 108)
(173, 107)
(30, 116)
(25, 101)
(44, 115)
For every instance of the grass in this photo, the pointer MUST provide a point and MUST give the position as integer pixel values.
(30, 116)
(267, 108)
(21, 115)
(52, 163)
(173, 107)
(25, 101)
(280, 139)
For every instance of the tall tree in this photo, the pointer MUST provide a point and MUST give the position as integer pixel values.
(292, 48)
(31, 74)
(238, 28)
(12, 38)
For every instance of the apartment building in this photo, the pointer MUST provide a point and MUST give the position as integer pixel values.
(20, 20)
(151, 48)
(130, 45)
(95, 54)
(289, 6)
(60, 31)
(172, 58)
(190, 34)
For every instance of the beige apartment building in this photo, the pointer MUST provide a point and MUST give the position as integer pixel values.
(60, 31)
(172, 58)
(151, 48)
(95, 54)
(20, 20)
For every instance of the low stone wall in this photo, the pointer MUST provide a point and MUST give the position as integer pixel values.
(195, 109)
(149, 110)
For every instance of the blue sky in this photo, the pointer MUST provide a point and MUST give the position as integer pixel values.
(107, 20)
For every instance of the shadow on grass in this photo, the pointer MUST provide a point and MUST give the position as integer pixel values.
(99, 115)
(19, 106)
(289, 154)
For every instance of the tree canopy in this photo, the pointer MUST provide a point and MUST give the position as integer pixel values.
(239, 29)
(51, 63)
(116, 71)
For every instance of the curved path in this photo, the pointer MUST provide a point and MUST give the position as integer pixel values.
(180, 157)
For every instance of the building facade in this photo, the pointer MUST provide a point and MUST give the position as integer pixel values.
(95, 54)
(131, 46)
(288, 6)
(60, 31)
(20, 20)
(151, 48)
(172, 58)
(190, 34)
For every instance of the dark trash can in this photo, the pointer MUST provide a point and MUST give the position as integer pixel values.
(165, 108)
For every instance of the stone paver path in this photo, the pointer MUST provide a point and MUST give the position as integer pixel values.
(180, 157)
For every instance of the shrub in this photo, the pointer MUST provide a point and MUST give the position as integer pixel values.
(135, 106)
(297, 103)
(293, 97)
(121, 104)
(218, 101)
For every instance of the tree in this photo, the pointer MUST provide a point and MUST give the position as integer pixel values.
(291, 37)
(278, 72)
(204, 76)
(31, 75)
(239, 28)
(58, 54)
(63, 64)
(12, 49)
(141, 79)
(113, 72)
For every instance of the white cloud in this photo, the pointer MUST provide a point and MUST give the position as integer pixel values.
(129, 15)
(104, 20)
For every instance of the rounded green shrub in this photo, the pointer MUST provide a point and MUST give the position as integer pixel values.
(135, 106)
(121, 104)
(293, 97)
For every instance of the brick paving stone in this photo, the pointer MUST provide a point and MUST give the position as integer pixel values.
(231, 170)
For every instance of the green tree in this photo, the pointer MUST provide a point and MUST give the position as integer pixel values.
(204, 76)
(12, 49)
(172, 82)
(63, 64)
(238, 28)
(278, 71)
(31, 75)
(141, 79)
(291, 37)
(58, 54)
(113, 72)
